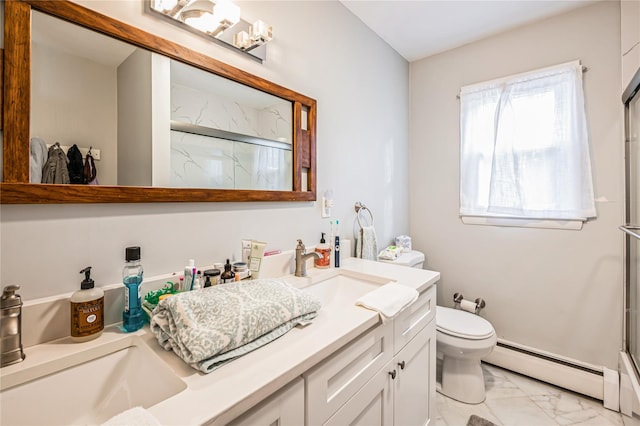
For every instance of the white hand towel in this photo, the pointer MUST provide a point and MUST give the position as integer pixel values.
(136, 416)
(367, 246)
(389, 300)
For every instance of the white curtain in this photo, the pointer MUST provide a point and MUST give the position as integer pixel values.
(524, 147)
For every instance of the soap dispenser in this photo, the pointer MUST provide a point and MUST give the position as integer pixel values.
(325, 250)
(87, 310)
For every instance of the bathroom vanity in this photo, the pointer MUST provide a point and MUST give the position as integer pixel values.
(346, 367)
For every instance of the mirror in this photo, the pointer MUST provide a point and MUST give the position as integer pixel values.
(178, 126)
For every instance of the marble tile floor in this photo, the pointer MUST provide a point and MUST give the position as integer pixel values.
(513, 399)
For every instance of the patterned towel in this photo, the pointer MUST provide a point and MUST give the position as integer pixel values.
(210, 327)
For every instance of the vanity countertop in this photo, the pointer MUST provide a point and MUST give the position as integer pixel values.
(231, 390)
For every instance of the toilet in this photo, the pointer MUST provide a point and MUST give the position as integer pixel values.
(462, 339)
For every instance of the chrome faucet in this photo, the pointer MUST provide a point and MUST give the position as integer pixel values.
(11, 326)
(301, 259)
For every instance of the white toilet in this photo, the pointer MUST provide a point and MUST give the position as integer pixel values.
(462, 339)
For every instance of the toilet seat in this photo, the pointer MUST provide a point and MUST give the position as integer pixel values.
(462, 324)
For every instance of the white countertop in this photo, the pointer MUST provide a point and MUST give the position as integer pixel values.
(229, 391)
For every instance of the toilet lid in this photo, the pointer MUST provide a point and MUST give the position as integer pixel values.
(463, 324)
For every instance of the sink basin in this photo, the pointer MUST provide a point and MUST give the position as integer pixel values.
(338, 287)
(87, 387)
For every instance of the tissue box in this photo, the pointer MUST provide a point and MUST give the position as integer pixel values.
(404, 242)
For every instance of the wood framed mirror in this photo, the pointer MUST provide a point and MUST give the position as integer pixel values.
(17, 115)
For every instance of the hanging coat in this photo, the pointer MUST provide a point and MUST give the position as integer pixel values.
(90, 171)
(76, 169)
(55, 168)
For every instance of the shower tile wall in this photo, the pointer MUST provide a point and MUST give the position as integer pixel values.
(203, 161)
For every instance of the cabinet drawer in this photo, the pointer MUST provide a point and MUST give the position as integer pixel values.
(284, 408)
(337, 379)
(414, 318)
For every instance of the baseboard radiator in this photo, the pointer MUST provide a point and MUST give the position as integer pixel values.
(594, 381)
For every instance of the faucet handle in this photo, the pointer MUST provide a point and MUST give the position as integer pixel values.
(9, 297)
(301, 246)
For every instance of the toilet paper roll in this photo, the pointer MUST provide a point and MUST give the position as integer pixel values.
(467, 305)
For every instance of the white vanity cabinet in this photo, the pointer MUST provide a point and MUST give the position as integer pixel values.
(284, 408)
(385, 377)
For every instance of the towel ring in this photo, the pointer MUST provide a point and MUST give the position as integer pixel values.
(360, 208)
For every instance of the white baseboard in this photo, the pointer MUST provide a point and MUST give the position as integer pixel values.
(557, 370)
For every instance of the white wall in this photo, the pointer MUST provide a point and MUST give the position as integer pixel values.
(319, 49)
(555, 290)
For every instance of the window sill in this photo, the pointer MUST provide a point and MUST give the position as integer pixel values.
(574, 225)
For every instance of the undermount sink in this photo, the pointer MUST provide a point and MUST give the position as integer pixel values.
(87, 387)
(337, 286)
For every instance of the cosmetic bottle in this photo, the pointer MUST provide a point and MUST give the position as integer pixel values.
(325, 250)
(132, 316)
(198, 281)
(228, 275)
(87, 310)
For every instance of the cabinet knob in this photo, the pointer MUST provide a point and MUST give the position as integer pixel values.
(401, 365)
(392, 374)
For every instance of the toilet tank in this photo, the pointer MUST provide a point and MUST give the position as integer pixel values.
(413, 259)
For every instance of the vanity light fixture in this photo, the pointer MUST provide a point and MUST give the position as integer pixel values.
(219, 19)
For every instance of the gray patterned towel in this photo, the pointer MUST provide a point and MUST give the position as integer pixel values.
(210, 327)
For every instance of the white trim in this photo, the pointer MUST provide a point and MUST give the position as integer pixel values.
(575, 225)
(629, 386)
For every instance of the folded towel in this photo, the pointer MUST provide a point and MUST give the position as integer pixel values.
(136, 416)
(390, 253)
(389, 300)
(367, 246)
(212, 326)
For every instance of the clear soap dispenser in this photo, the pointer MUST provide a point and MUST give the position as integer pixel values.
(87, 310)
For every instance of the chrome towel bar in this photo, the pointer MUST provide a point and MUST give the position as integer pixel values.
(630, 229)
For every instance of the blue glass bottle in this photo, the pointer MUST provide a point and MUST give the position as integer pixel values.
(132, 316)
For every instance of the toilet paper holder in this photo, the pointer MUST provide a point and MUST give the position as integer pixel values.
(467, 305)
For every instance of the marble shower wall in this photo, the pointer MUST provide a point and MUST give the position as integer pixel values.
(205, 161)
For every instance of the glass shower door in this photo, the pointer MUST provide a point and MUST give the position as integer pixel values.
(632, 229)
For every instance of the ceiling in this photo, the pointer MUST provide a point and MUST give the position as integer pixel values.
(421, 28)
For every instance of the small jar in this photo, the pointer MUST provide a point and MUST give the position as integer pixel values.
(212, 277)
(241, 269)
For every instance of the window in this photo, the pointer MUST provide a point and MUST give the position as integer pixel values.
(524, 150)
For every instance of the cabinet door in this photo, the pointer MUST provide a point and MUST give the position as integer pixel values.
(285, 408)
(370, 406)
(336, 380)
(414, 387)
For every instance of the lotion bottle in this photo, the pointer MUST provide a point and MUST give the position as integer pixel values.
(87, 310)
(325, 250)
